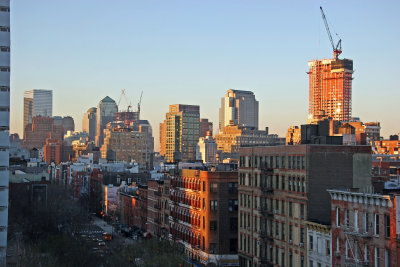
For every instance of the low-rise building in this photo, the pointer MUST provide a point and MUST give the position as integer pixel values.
(319, 245)
(204, 215)
(364, 229)
(283, 187)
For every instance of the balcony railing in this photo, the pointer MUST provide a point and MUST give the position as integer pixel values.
(266, 190)
(267, 170)
(355, 262)
(265, 211)
(357, 232)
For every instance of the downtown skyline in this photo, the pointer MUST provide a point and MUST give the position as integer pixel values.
(180, 53)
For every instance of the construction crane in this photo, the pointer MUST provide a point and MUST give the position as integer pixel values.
(140, 102)
(123, 95)
(337, 50)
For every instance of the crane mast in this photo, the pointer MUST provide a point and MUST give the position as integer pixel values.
(337, 50)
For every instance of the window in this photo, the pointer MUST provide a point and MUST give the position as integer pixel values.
(366, 253)
(283, 231)
(387, 258)
(233, 204)
(290, 233)
(346, 217)
(204, 203)
(283, 183)
(337, 217)
(337, 244)
(302, 235)
(283, 207)
(356, 220)
(213, 187)
(376, 257)
(204, 186)
(327, 247)
(311, 242)
(241, 220)
(204, 225)
(376, 228)
(214, 205)
(387, 226)
(366, 219)
(301, 211)
(213, 225)
(283, 258)
(290, 209)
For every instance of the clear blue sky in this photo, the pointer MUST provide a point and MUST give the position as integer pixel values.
(191, 52)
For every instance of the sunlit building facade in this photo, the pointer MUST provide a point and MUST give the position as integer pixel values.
(238, 107)
(203, 215)
(89, 123)
(182, 132)
(105, 113)
(330, 88)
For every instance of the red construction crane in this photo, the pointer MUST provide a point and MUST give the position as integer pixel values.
(337, 50)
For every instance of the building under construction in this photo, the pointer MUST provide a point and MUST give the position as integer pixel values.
(330, 88)
(330, 84)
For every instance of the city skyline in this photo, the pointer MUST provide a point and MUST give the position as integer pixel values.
(235, 48)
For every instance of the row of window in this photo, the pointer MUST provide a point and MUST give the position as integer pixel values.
(282, 182)
(364, 254)
(278, 162)
(272, 228)
(272, 205)
(271, 253)
(352, 221)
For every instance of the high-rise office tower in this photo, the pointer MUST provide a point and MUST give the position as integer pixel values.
(106, 112)
(163, 138)
(4, 123)
(89, 123)
(182, 132)
(330, 89)
(238, 108)
(37, 102)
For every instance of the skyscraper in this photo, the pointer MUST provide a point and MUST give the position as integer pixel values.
(330, 88)
(37, 102)
(182, 133)
(4, 123)
(106, 112)
(89, 123)
(238, 107)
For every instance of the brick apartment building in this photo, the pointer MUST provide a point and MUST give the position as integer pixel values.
(283, 187)
(204, 215)
(132, 204)
(155, 190)
(364, 229)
